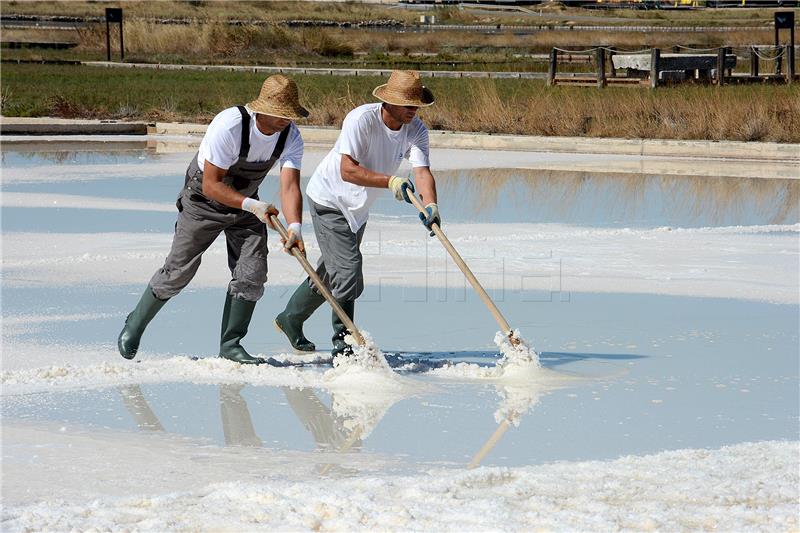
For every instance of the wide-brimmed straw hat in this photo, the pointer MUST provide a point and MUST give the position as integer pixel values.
(404, 88)
(278, 98)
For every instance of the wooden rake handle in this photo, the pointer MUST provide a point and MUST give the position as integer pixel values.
(504, 327)
(487, 447)
(318, 282)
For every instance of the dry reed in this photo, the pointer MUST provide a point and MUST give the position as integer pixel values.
(735, 113)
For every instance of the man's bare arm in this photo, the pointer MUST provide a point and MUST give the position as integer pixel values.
(291, 196)
(353, 172)
(425, 184)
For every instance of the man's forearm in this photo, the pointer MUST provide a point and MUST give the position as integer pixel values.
(366, 177)
(222, 193)
(291, 197)
(354, 173)
(215, 189)
(426, 185)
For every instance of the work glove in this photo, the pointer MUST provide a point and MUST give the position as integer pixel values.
(260, 209)
(431, 216)
(295, 239)
(400, 187)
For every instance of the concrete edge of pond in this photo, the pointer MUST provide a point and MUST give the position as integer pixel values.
(766, 151)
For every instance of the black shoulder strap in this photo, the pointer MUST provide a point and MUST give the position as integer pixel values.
(244, 146)
(276, 153)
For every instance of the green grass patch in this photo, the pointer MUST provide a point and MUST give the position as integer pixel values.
(746, 113)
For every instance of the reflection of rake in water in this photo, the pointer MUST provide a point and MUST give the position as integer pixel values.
(354, 436)
(504, 327)
(487, 447)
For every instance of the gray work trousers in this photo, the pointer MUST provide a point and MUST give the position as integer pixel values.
(199, 224)
(341, 265)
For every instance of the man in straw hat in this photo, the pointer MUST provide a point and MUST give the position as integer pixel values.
(240, 146)
(373, 142)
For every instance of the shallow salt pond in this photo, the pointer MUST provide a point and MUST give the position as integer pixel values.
(624, 371)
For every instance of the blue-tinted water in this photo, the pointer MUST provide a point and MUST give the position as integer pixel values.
(657, 372)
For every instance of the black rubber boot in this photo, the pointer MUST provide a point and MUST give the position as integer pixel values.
(136, 322)
(236, 317)
(301, 305)
(340, 347)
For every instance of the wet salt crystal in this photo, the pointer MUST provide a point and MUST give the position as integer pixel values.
(520, 355)
(366, 356)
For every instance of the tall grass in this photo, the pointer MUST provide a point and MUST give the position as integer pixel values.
(743, 113)
(214, 41)
(354, 11)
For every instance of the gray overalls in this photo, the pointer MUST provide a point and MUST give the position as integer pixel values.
(201, 220)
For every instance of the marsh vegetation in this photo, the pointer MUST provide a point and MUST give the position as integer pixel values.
(743, 113)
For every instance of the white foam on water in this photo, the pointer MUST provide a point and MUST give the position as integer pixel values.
(515, 402)
(518, 363)
(210, 369)
(364, 386)
(366, 363)
(517, 355)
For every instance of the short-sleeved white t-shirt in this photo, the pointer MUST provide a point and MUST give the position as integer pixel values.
(221, 143)
(367, 139)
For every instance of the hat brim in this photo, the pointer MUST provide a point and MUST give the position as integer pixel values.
(295, 113)
(381, 93)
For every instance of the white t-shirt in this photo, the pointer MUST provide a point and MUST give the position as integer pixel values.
(221, 143)
(369, 141)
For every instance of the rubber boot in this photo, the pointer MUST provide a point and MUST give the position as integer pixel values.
(136, 322)
(236, 317)
(301, 305)
(340, 347)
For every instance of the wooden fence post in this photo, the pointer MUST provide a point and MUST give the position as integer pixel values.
(727, 53)
(600, 54)
(655, 60)
(721, 66)
(754, 61)
(551, 70)
(790, 59)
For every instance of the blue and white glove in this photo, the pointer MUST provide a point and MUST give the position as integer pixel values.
(431, 216)
(400, 187)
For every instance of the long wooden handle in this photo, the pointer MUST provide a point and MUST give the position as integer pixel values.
(504, 327)
(318, 283)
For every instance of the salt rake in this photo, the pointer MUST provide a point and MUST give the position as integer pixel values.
(319, 284)
(504, 327)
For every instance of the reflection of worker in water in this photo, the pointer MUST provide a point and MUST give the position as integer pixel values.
(373, 142)
(134, 401)
(327, 429)
(237, 425)
(221, 195)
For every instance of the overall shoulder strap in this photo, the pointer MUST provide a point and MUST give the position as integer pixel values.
(244, 146)
(276, 153)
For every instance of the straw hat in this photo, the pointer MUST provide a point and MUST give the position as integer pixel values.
(278, 98)
(404, 88)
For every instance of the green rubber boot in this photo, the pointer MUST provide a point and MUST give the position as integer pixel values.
(340, 347)
(301, 305)
(136, 322)
(236, 317)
